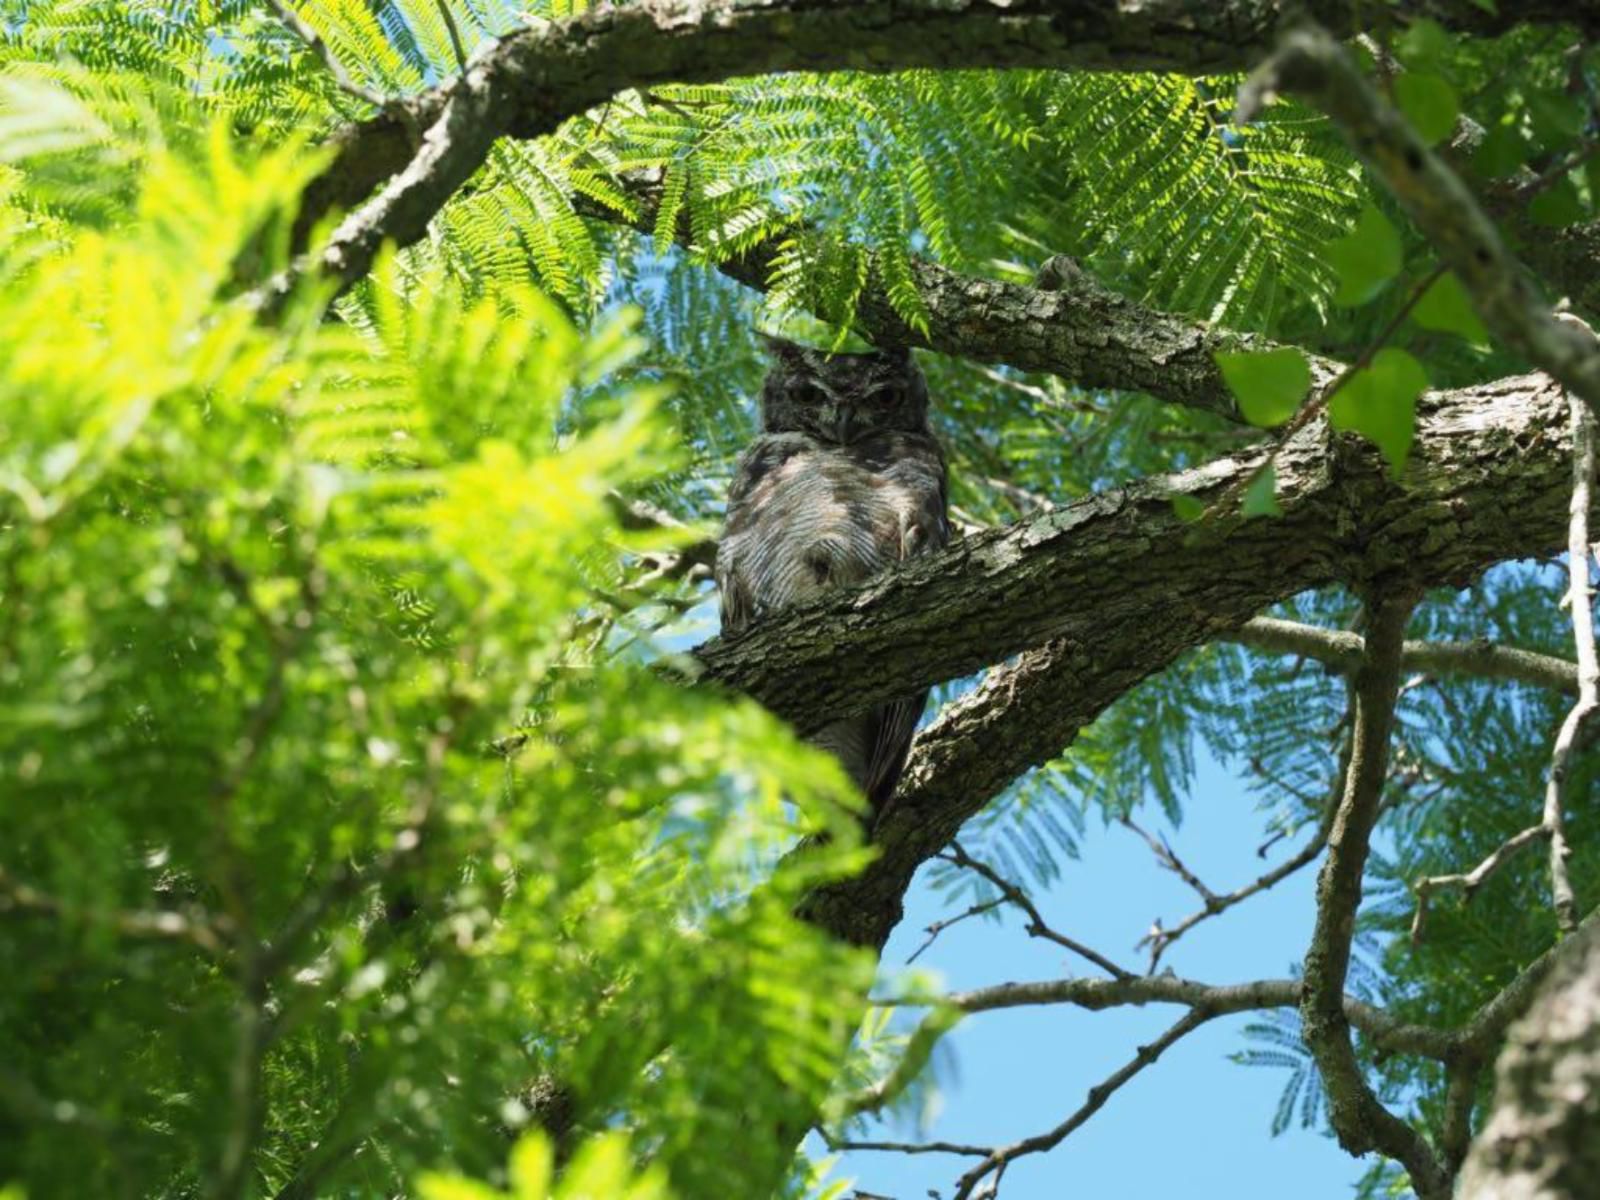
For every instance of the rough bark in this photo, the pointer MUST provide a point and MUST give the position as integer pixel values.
(1097, 596)
(1542, 1141)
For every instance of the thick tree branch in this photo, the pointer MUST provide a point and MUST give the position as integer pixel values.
(1100, 594)
(529, 82)
(1542, 1139)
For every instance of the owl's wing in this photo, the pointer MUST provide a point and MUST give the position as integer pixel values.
(924, 528)
(733, 596)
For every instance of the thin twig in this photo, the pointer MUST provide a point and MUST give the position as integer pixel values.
(998, 1158)
(938, 927)
(455, 34)
(843, 1145)
(1470, 881)
(1319, 402)
(1036, 926)
(1159, 938)
(342, 78)
(1169, 859)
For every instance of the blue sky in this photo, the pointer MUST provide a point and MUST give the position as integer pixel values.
(1193, 1124)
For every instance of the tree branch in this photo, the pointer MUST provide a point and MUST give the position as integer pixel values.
(1542, 1139)
(1342, 651)
(1359, 1119)
(1036, 927)
(197, 928)
(527, 83)
(1470, 881)
(998, 1159)
(1100, 594)
(1581, 598)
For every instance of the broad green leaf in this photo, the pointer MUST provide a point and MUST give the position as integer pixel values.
(1188, 508)
(1424, 44)
(1380, 401)
(1504, 149)
(1269, 384)
(1260, 496)
(1430, 103)
(1445, 307)
(1557, 206)
(1555, 119)
(1366, 258)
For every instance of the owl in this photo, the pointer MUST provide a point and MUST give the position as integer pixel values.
(845, 479)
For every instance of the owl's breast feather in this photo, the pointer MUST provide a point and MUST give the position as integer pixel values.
(820, 518)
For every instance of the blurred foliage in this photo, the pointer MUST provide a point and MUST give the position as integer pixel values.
(333, 762)
(329, 834)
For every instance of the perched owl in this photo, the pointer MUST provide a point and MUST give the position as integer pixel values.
(844, 479)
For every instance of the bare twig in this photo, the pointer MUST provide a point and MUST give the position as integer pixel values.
(998, 1158)
(1378, 1026)
(1169, 859)
(1036, 926)
(842, 1145)
(285, 11)
(1159, 938)
(1470, 881)
(934, 930)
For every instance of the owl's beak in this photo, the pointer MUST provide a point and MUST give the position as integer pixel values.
(845, 424)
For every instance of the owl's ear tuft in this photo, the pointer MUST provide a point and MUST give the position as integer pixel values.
(783, 350)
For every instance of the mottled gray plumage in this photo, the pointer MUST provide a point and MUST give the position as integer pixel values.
(844, 479)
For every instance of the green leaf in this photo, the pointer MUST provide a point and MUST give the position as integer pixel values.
(1556, 119)
(1430, 103)
(1260, 496)
(1269, 385)
(1365, 259)
(453, 1187)
(1557, 206)
(1504, 149)
(531, 1166)
(1188, 508)
(1380, 403)
(1424, 44)
(1445, 307)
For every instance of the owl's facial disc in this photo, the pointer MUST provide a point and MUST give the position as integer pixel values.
(843, 397)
